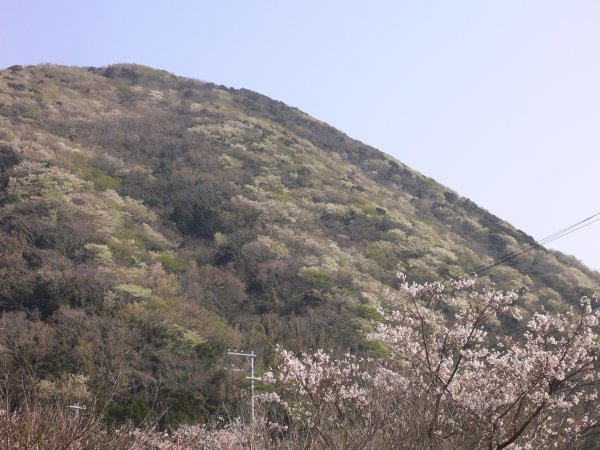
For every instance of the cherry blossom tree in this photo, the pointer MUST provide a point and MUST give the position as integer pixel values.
(463, 369)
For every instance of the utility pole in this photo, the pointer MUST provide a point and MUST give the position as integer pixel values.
(250, 358)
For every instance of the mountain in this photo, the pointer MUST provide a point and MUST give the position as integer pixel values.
(150, 221)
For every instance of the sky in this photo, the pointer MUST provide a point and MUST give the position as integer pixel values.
(498, 100)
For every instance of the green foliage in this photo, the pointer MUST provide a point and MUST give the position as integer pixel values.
(119, 249)
(42, 294)
(281, 194)
(17, 86)
(198, 222)
(375, 349)
(182, 406)
(317, 278)
(134, 290)
(187, 343)
(138, 239)
(382, 253)
(136, 410)
(102, 181)
(366, 312)
(171, 264)
(220, 239)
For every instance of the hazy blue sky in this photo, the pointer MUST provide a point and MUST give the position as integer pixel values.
(498, 100)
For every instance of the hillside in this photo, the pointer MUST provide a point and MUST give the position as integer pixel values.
(149, 221)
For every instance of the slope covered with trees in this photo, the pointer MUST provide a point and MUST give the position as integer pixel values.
(149, 221)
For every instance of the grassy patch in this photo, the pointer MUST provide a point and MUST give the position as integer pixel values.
(142, 240)
(317, 277)
(119, 249)
(102, 181)
(280, 194)
(366, 312)
(382, 253)
(172, 265)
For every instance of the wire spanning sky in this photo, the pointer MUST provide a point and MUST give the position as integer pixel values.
(499, 100)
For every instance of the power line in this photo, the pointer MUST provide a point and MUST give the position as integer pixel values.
(546, 240)
(528, 246)
(508, 256)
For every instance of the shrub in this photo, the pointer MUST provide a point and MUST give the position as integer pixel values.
(317, 278)
(171, 264)
(102, 181)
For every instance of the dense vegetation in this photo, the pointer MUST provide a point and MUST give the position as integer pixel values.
(448, 379)
(149, 221)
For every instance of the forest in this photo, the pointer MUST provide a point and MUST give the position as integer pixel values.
(149, 222)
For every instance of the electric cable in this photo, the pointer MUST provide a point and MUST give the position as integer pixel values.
(500, 260)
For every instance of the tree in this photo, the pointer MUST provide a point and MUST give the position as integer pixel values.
(453, 375)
